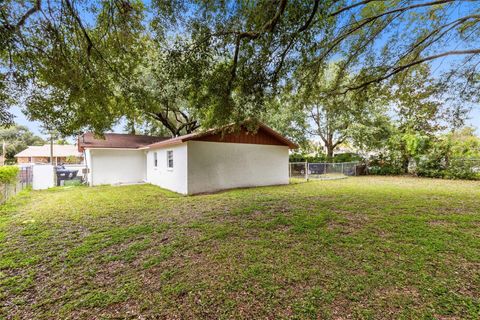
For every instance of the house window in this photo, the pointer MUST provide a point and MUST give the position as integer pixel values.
(155, 160)
(170, 159)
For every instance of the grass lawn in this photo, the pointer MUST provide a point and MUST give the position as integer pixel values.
(362, 247)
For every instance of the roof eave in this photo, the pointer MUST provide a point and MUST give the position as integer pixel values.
(167, 143)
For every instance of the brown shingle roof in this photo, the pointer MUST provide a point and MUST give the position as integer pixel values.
(116, 140)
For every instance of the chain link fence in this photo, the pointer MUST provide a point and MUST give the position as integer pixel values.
(323, 170)
(24, 180)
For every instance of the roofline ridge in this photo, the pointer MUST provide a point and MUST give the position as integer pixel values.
(127, 134)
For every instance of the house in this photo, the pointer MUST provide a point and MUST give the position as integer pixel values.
(41, 154)
(194, 163)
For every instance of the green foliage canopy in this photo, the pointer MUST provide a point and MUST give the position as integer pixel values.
(85, 64)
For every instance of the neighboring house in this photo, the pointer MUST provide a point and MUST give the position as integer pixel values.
(194, 163)
(41, 154)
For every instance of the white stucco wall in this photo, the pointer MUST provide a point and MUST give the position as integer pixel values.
(173, 179)
(88, 161)
(115, 166)
(215, 166)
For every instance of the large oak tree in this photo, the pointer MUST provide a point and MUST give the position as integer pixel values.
(76, 61)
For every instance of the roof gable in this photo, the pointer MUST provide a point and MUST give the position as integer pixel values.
(264, 135)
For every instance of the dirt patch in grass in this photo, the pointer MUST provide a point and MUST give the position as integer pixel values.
(348, 223)
(440, 223)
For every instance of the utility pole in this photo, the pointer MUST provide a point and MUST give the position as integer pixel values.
(4, 152)
(51, 148)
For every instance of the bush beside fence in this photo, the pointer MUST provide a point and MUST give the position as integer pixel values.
(9, 174)
(429, 167)
(467, 169)
(13, 179)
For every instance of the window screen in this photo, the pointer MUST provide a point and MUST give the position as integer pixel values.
(155, 159)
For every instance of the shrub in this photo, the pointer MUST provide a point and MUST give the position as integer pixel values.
(347, 157)
(432, 166)
(384, 170)
(384, 165)
(439, 163)
(298, 157)
(8, 174)
(343, 157)
(462, 169)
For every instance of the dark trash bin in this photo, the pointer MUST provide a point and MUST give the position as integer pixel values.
(65, 174)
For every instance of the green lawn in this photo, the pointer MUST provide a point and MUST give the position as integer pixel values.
(363, 247)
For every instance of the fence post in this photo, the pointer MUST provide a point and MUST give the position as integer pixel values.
(306, 170)
(342, 169)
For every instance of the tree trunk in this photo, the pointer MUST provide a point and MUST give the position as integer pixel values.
(131, 127)
(176, 126)
(330, 149)
(405, 164)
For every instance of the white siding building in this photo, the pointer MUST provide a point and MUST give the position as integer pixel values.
(173, 177)
(115, 166)
(195, 163)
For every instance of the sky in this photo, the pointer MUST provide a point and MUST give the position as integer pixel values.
(36, 128)
(21, 119)
(475, 119)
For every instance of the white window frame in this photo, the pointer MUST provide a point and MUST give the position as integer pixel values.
(170, 152)
(155, 160)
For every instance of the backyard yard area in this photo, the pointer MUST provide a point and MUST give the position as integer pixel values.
(362, 247)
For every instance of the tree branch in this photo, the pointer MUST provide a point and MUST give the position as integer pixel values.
(80, 24)
(304, 27)
(310, 19)
(351, 7)
(339, 141)
(267, 27)
(451, 25)
(398, 69)
(360, 24)
(23, 19)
